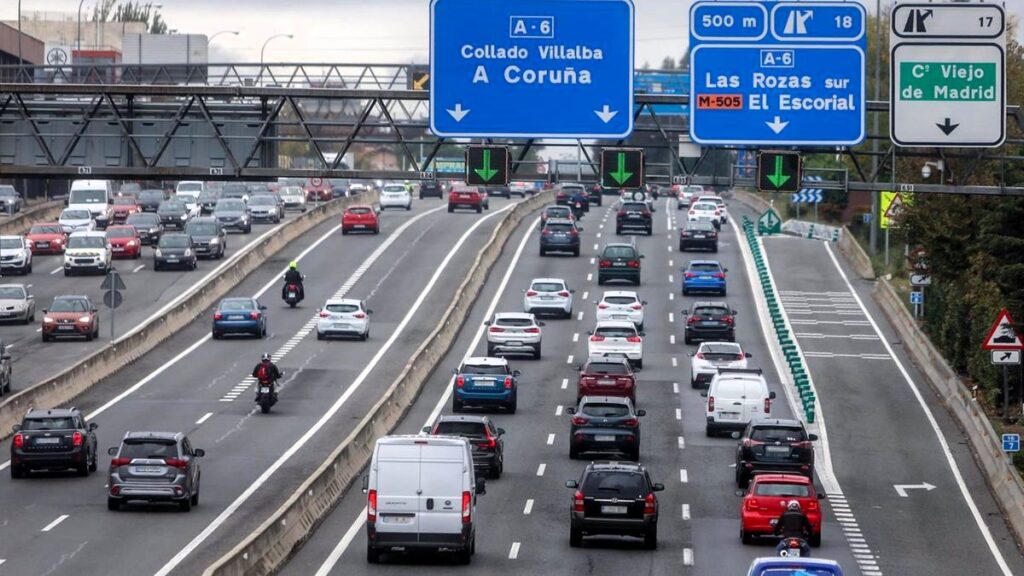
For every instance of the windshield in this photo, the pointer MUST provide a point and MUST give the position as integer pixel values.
(121, 233)
(704, 267)
(626, 484)
(634, 206)
(342, 308)
(189, 187)
(620, 300)
(143, 220)
(606, 368)
(785, 490)
(175, 241)
(7, 191)
(710, 311)
(559, 227)
(87, 242)
(721, 351)
(9, 243)
(55, 423)
(151, 196)
(602, 410)
(702, 225)
(201, 228)
(230, 205)
(262, 201)
(557, 211)
(394, 188)
(12, 293)
(46, 229)
(75, 215)
(124, 201)
(619, 252)
(237, 305)
(705, 207)
(514, 322)
(359, 211)
(474, 429)
(547, 286)
(68, 305)
(156, 449)
(88, 197)
(172, 207)
(615, 331)
(778, 434)
(484, 369)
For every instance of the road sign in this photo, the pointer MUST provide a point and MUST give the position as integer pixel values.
(487, 165)
(113, 277)
(892, 203)
(418, 78)
(917, 297)
(778, 171)
(531, 68)
(948, 64)
(1011, 442)
(769, 73)
(622, 167)
(920, 280)
(1002, 335)
(677, 83)
(112, 298)
(807, 195)
(769, 222)
(1006, 357)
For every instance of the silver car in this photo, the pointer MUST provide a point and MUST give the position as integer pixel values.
(154, 467)
(17, 304)
(514, 333)
(15, 254)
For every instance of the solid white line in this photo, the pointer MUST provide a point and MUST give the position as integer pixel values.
(551, 439)
(683, 476)
(686, 511)
(514, 552)
(950, 461)
(53, 524)
(529, 506)
(541, 468)
(56, 270)
(204, 418)
(137, 268)
(687, 556)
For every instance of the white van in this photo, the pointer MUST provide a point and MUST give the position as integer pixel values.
(96, 196)
(421, 495)
(188, 191)
(735, 397)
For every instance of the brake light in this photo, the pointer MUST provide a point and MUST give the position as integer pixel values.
(117, 462)
(532, 330)
(606, 263)
(751, 504)
(467, 513)
(623, 381)
(508, 382)
(728, 320)
(580, 421)
(176, 463)
(371, 506)
(76, 439)
(490, 443)
(692, 212)
(650, 504)
(684, 233)
(254, 315)
(805, 444)
(717, 213)
(633, 263)
(711, 403)
(564, 294)
(692, 319)
(460, 381)
(812, 505)
(602, 306)
(740, 357)
(700, 355)
(631, 423)
(573, 232)
(577, 502)
(637, 306)
(496, 329)
(359, 315)
(19, 440)
(531, 292)
(748, 443)
(634, 339)
(767, 405)
(622, 213)
(217, 316)
(597, 338)
(325, 314)
(546, 232)
(719, 275)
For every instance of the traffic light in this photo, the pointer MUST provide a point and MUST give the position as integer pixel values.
(622, 168)
(487, 165)
(778, 171)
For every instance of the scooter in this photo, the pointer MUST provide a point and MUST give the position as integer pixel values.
(292, 293)
(793, 548)
(266, 395)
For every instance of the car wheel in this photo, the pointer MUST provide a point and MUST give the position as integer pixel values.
(185, 505)
(83, 470)
(195, 497)
(724, 292)
(512, 405)
(746, 537)
(575, 537)
(574, 452)
(650, 231)
(543, 252)
(365, 335)
(536, 352)
(319, 335)
(67, 272)
(640, 364)
(715, 249)
(634, 454)
(479, 209)
(263, 332)
(28, 269)
(815, 540)
(693, 381)
(651, 538)
(344, 232)
(685, 292)
(89, 337)
(600, 280)
(216, 335)
(493, 473)
(94, 464)
(46, 338)
(465, 556)
(709, 430)
(457, 405)
(618, 230)
(576, 251)
(113, 504)
(17, 472)
(451, 208)
(490, 351)
(372, 554)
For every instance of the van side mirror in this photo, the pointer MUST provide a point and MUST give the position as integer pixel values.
(771, 395)
(813, 437)
(112, 451)
(93, 426)
(573, 291)
(515, 373)
(685, 312)
(370, 312)
(572, 484)
(481, 486)
(198, 452)
(45, 311)
(487, 322)
(747, 354)
(366, 484)
(540, 323)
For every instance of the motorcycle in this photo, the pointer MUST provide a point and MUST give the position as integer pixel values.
(577, 210)
(266, 395)
(793, 548)
(293, 293)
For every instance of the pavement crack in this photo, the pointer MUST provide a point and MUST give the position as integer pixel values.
(64, 558)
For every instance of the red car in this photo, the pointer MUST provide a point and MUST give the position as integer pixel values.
(360, 219)
(466, 197)
(608, 376)
(318, 189)
(124, 242)
(125, 206)
(70, 316)
(766, 500)
(47, 238)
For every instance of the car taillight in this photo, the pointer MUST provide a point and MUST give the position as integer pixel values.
(749, 443)
(685, 233)
(546, 232)
(597, 338)
(490, 443)
(631, 423)
(602, 306)
(532, 330)
(176, 463)
(577, 501)
(460, 381)
(751, 504)
(812, 505)
(496, 329)
(359, 315)
(633, 263)
(728, 320)
(719, 275)
(692, 320)
(637, 306)
(508, 382)
(467, 512)
(217, 316)
(76, 439)
(325, 314)
(580, 420)
(689, 275)
(564, 293)
(371, 506)
(531, 293)
(254, 315)
(622, 213)
(806, 445)
(740, 357)
(19, 440)
(650, 504)
(711, 403)
(606, 263)
(700, 355)
(767, 405)
(634, 339)
(573, 232)
(717, 213)
(117, 462)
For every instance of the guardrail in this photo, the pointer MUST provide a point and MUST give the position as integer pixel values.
(22, 221)
(264, 550)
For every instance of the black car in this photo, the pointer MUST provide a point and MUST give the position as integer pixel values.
(698, 235)
(710, 321)
(431, 188)
(208, 200)
(774, 445)
(149, 200)
(148, 225)
(55, 439)
(560, 236)
(208, 237)
(233, 214)
(173, 214)
(174, 250)
(619, 262)
(614, 498)
(605, 424)
(634, 216)
(565, 193)
(486, 440)
(595, 194)
(154, 467)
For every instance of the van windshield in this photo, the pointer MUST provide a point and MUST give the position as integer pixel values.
(88, 197)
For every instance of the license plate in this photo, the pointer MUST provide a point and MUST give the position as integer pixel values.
(709, 323)
(235, 317)
(291, 294)
(397, 519)
(264, 389)
(619, 317)
(117, 249)
(42, 244)
(65, 328)
(698, 236)
(729, 415)
(603, 438)
(359, 226)
(147, 470)
(485, 383)
(790, 553)
(47, 440)
(618, 263)
(705, 277)
(547, 297)
(777, 449)
(171, 259)
(614, 509)
(514, 343)
(338, 326)
(606, 382)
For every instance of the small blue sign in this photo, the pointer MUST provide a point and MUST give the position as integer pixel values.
(809, 195)
(777, 73)
(1011, 442)
(677, 83)
(917, 297)
(531, 68)
(866, 218)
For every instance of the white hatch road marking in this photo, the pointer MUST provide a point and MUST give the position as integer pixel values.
(687, 556)
(2, 560)
(803, 322)
(686, 511)
(558, 410)
(551, 439)
(541, 468)
(52, 272)
(137, 268)
(529, 506)
(683, 476)
(565, 383)
(204, 418)
(513, 553)
(53, 524)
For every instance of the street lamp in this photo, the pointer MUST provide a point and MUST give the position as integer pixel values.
(79, 40)
(289, 36)
(215, 34)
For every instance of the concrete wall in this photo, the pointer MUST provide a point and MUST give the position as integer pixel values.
(855, 255)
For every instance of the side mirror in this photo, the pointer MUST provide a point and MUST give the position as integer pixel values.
(771, 395)
(16, 427)
(579, 367)
(735, 312)
(112, 451)
(579, 228)
(487, 322)
(813, 437)
(747, 354)
(572, 484)
(641, 413)
(725, 269)
(658, 487)
(704, 393)
(263, 307)
(740, 493)
(45, 311)
(481, 486)
(366, 484)
(95, 310)
(198, 452)
(93, 426)
(685, 312)
(641, 256)
(589, 332)
(820, 496)
(691, 354)
(501, 431)
(643, 302)
(425, 430)
(515, 373)
(642, 334)
(573, 291)
(570, 410)
(369, 311)
(5, 356)
(540, 323)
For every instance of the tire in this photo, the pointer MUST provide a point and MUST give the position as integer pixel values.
(17, 473)
(687, 340)
(490, 351)
(94, 464)
(185, 505)
(465, 556)
(113, 504)
(408, 207)
(709, 430)
(372, 555)
(319, 335)
(693, 384)
(479, 209)
(451, 209)
(83, 470)
(742, 480)
(600, 281)
(746, 537)
(28, 269)
(724, 292)
(576, 251)
(365, 335)
(344, 232)
(686, 292)
(543, 252)
(216, 335)
(634, 454)
(46, 338)
(195, 497)
(650, 231)
(815, 540)
(574, 453)
(575, 537)
(618, 230)
(89, 337)
(512, 405)
(457, 405)
(67, 272)
(536, 352)
(265, 408)
(640, 364)
(651, 538)
(681, 247)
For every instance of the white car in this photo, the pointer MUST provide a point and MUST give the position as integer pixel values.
(686, 193)
(16, 303)
(343, 317)
(395, 196)
(617, 337)
(719, 202)
(705, 211)
(74, 220)
(294, 198)
(548, 295)
(622, 305)
(734, 398)
(87, 251)
(514, 333)
(710, 356)
(15, 254)
(191, 203)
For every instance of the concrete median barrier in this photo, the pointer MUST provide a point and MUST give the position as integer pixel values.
(856, 255)
(177, 314)
(22, 221)
(269, 546)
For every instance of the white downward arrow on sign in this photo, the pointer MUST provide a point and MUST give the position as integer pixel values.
(778, 125)
(901, 489)
(606, 114)
(458, 113)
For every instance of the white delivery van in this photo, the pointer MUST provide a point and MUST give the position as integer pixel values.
(188, 191)
(421, 495)
(96, 196)
(735, 397)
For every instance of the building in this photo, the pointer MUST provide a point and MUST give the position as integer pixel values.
(11, 45)
(166, 58)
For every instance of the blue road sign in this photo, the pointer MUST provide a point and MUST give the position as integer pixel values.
(1011, 442)
(664, 83)
(531, 68)
(917, 297)
(811, 195)
(777, 73)
(866, 218)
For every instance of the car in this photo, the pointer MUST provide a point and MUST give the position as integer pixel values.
(766, 500)
(15, 255)
(486, 440)
(595, 195)
(638, 196)
(85, 252)
(557, 213)
(124, 206)
(604, 424)
(232, 214)
(622, 305)
(615, 498)
(208, 201)
(769, 566)
(734, 398)
(239, 316)
(360, 219)
(174, 250)
(619, 262)
(687, 193)
(774, 445)
(719, 204)
(431, 188)
(265, 208)
(343, 317)
(566, 191)
(148, 226)
(502, 190)
(70, 316)
(16, 303)
(710, 356)
(395, 196)
(73, 220)
(294, 198)
(560, 236)
(634, 216)
(514, 333)
(356, 189)
(486, 381)
(188, 192)
(606, 375)
(173, 213)
(709, 320)
(520, 189)
(548, 296)
(149, 200)
(53, 439)
(209, 239)
(47, 238)
(704, 276)
(617, 337)
(469, 197)
(124, 241)
(705, 211)
(236, 190)
(10, 199)
(154, 467)
(698, 235)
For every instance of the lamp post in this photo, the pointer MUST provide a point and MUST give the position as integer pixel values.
(78, 42)
(264, 48)
(215, 34)
(20, 62)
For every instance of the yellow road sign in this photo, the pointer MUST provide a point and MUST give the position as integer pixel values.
(891, 205)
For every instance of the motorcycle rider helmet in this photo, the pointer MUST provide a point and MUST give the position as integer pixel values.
(265, 357)
(293, 265)
(793, 505)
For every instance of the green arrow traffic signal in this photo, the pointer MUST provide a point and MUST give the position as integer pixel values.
(778, 171)
(486, 173)
(778, 178)
(487, 165)
(620, 175)
(622, 168)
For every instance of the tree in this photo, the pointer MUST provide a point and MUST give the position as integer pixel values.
(668, 63)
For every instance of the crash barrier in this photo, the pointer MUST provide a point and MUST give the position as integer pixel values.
(269, 546)
(86, 373)
(20, 222)
(812, 230)
(755, 201)
(855, 255)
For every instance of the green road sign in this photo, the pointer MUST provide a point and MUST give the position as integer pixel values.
(622, 168)
(778, 171)
(769, 222)
(487, 165)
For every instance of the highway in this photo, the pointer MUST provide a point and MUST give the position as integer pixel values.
(196, 385)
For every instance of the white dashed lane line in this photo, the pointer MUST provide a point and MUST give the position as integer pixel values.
(529, 507)
(551, 439)
(679, 413)
(683, 476)
(675, 387)
(565, 383)
(686, 511)
(558, 410)
(137, 268)
(54, 524)
(204, 418)
(569, 360)
(682, 443)
(513, 553)
(541, 468)
(580, 315)
(52, 272)
(576, 337)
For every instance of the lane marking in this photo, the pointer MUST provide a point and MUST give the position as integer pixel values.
(565, 383)
(551, 439)
(679, 413)
(54, 524)
(514, 552)
(687, 556)
(541, 468)
(204, 418)
(590, 276)
(558, 410)
(671, 338)
(682, 442)
(592, 261)
(56, 270)
(529, 506)
(675, 362)
(675, 387)
(585, 294)
(569, 360)
(670, 263)
(671, 318)
(686, 511)
(683, 476)
(137, 268)
(671, 296)
(580, 315)
(576, 337)
(671, 279)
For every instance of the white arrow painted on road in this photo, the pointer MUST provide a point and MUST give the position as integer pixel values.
(606, 114)
(458, 113)
(901, 489)
(777, 125)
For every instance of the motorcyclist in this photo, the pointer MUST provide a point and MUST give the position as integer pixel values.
(293, 276)
(793, 523)
(408, 186)
(579, 203)
(266, 372)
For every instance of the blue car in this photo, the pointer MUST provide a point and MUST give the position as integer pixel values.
(240, 316)
(485, 381)
(704, 276)
(794, 567)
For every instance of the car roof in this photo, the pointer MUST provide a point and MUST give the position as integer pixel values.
(715, 262)
(620, 293)
(41, 412)
(353, 301)
(786, 422)
(12, 285)
(486, 361)
(153, 435)
(559, 208)
(615, 324)
(719, 343)
(513, 315)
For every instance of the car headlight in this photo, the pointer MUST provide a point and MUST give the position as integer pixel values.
(131, 243)
(184, 216)
(154, 230)
(84, 319)
(188, 252)
(215, 241)
(47, 320)
(159, 253)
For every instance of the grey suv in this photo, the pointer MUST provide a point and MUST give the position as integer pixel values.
(154, 467)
